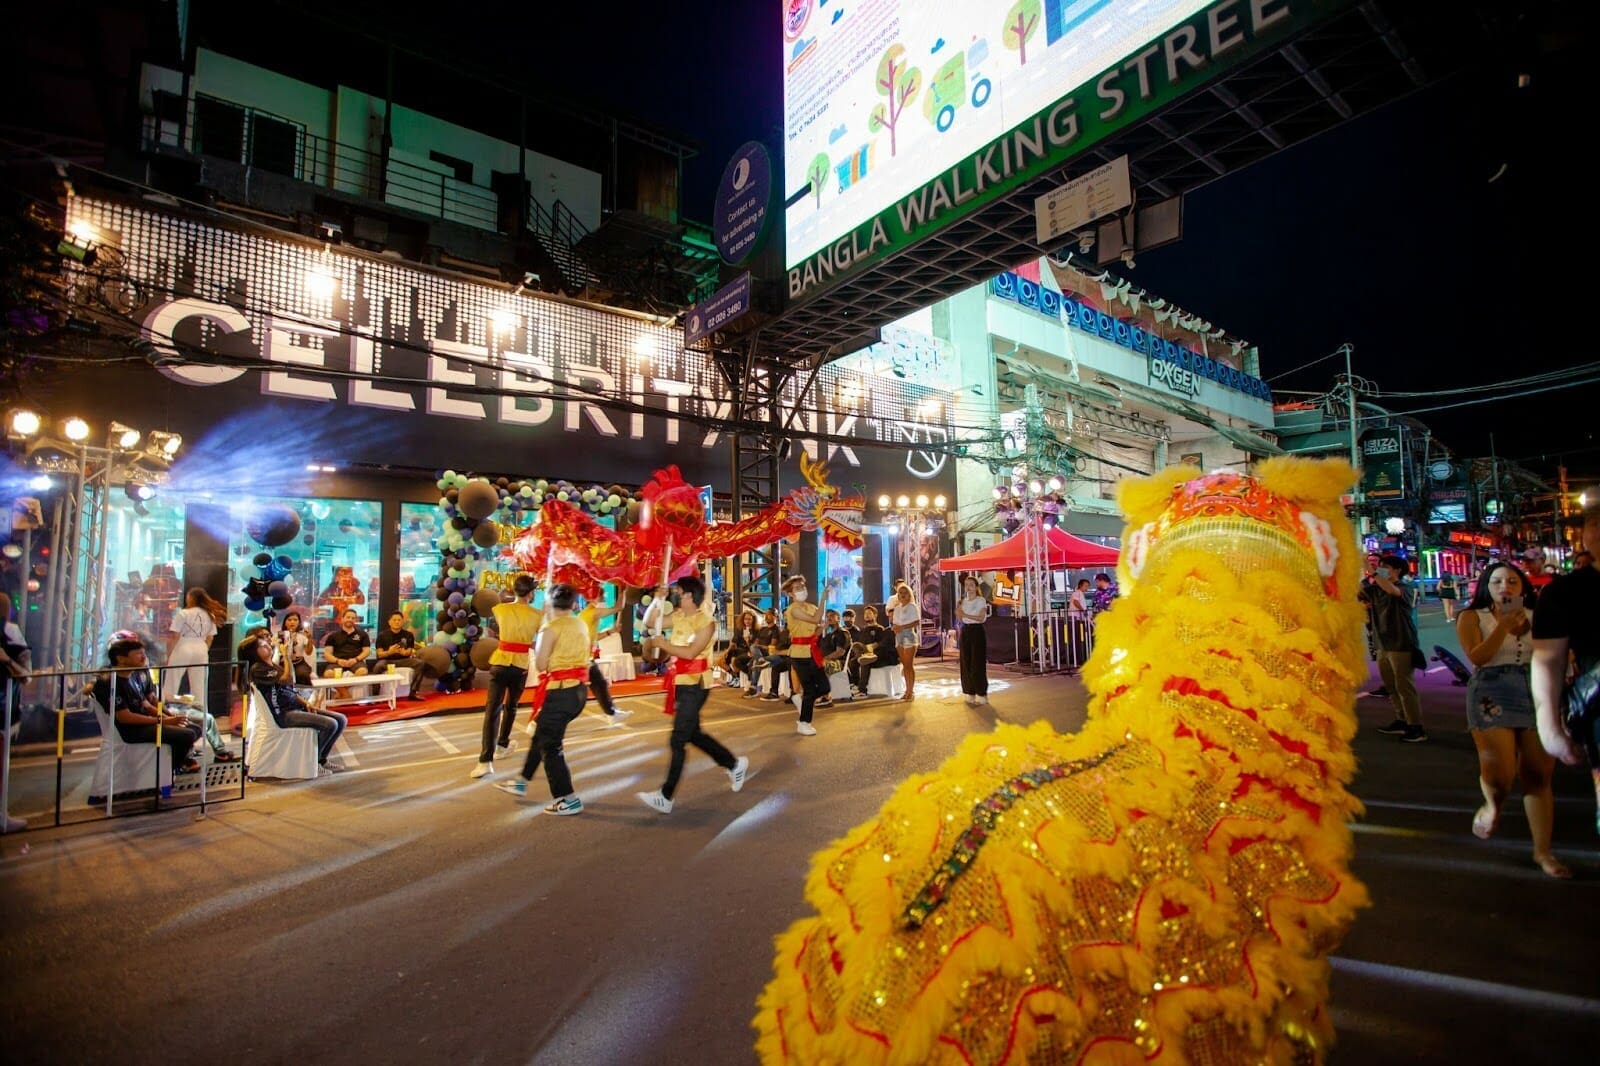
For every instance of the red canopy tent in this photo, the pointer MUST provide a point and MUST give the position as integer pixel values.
(1065, 552)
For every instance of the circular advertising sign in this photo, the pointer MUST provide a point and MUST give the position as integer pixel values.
(740, 212)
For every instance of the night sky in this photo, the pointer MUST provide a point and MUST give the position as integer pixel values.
(1385, 232)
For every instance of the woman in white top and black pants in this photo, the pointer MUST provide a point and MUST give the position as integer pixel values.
(905, 615)
(1495, 632)
(972, 610)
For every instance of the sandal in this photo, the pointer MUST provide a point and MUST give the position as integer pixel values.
(225, 756)
(1552, 866)
(190, 767)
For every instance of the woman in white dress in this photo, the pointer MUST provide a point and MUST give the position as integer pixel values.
(189, 644)
(905, 615)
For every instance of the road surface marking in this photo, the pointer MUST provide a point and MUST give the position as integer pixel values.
(440, 739)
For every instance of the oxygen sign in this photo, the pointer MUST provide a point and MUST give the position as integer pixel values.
(1180, 380)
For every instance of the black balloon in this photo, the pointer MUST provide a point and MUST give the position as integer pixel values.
(270, 525)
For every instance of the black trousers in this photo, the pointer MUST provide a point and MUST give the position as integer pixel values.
(179, 738)
(813, 683)
(601, 689)
(974, 648)
(561, 707)
(500, 712)
(688, 701)
(780, 666)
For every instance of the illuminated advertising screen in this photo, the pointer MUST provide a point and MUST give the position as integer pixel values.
(881, 95)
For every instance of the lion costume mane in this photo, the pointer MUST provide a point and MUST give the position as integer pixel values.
(1163, 886)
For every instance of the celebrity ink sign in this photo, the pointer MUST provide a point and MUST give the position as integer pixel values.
(461, 374)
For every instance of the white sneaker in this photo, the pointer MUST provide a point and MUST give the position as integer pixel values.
(616, 719)
(737, 774)
(483, 769)
(503, 751)
(805, 729)
(655, 801)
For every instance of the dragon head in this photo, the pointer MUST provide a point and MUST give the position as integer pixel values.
(672, 508)
(824, 507)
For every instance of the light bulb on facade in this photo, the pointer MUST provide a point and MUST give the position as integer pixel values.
(903, 501)
(922, 500)
(1035, 486)
(1056, 483)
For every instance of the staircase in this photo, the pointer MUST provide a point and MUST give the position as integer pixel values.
(556, 232)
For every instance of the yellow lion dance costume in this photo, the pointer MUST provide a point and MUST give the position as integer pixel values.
(1162, 887)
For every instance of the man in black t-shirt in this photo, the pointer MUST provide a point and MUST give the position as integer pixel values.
(1568, 621)
(397, 648)
(346, 647)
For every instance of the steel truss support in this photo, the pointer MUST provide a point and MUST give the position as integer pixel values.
(756, 385)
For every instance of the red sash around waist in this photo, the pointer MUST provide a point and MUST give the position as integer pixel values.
(816, 649)
(572, 673)
(513, 647)
(676, 666)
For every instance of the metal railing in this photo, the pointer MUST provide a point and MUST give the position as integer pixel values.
(559, 232)
(63, 753)
(268, 142)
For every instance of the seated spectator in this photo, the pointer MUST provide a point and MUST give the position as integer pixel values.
(835, 642)
(130, 698)
(777, 657)
(877, 649)
(397, 650)
(301, 651)
(761, 646)
(273, 677)
(346, 647)
(736, 659)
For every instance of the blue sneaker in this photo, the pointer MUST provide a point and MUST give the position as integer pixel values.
(516, 786)
(566, 805)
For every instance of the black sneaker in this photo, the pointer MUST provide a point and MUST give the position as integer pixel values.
(1414, 734)
(1395, 728)
(1379, 693)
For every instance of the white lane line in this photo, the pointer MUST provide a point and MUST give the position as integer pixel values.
(264, 888)
(439, 738)
(748, 822)
(347, 755)
(1471, 987)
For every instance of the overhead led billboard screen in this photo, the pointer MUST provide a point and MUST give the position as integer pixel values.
(880, 95)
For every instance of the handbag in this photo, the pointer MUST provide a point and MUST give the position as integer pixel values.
(1582, 708)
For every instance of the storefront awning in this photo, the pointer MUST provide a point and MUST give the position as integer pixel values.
(1253, 443)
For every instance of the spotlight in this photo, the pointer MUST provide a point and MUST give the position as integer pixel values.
(24, 423)
(903, 501)
(331, 232)
(922, 500)
(320, 284)
(138, 490)
(1000, 492)
(124, 437)
(939, 502)
(40, 483)
(1056, 483)
(165, 443)
(76, 429)
(1035, 486)
(884, 501)
(12, 551)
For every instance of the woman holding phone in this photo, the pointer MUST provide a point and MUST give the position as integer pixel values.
(1495, 632)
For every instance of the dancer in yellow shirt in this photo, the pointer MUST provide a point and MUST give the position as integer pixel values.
(562, 658)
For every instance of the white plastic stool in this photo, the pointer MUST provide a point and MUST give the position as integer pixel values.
(273, 751)
(886, 681)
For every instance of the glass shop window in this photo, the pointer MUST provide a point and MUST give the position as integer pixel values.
(333, 564)
(144, 567)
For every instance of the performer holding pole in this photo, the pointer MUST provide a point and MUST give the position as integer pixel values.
(561, 656)
(805, 655)
(688, 675)
(516, 622)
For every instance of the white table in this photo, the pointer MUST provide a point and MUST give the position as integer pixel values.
(386, 685)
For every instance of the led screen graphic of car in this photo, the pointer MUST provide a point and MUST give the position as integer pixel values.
(953, 85)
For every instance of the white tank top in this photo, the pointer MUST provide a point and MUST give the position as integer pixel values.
(1513, 650)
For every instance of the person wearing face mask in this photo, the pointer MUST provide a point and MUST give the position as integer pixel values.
(1395, 629)
(805, 654)
(692, 632)
(1496, 636)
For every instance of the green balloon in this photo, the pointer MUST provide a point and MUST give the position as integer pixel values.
(614, 500)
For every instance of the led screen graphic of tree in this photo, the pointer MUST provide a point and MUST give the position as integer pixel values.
(817, 173)
(900, 82)
(1022, 21)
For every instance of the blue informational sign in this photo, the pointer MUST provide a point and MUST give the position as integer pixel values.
(705, 501)
(740, 211)
(725, 305)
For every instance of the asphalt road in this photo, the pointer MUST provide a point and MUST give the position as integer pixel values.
(401, 912)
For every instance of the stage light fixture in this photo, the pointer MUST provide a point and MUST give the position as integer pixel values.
(884, 501)
(939, 502)
(124, 437)
(12, 551)
(76, 429)
(903, 501)
(922, 500)
(1000, 492)
(1036, 486)
(138, 490)
(40, 483)
(1055, 483)
(167, 444)
(24, 423)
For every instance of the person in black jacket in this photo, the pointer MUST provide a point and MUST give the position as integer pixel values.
(736, 659)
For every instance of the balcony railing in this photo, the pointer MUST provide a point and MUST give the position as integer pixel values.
(258, 139)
